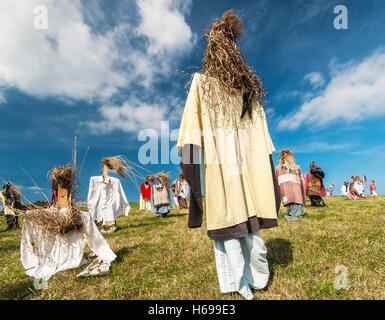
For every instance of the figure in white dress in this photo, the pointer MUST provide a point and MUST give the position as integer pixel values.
(53, 239)
(106, 198)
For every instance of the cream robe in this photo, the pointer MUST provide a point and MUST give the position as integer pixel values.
(237, 175)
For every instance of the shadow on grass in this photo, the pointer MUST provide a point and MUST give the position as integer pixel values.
(12, 247)
(19, 291)
(279, 253)
(123, 252)
(178, 215)
(156, 222)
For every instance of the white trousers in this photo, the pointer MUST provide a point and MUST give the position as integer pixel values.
(241, 264)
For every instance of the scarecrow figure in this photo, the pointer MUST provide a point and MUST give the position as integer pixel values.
(225, 119)
(106, 198)
(314, 185)
(181, 191)
(145, 194)
(54, 239)
(162, 196)
(11, 199)
(290, 182)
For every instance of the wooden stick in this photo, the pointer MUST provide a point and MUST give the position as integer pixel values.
(105, 172)
(62, 198)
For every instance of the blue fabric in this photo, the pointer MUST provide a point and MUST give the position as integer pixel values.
(242, 264)
(164, 209)
(294, 212)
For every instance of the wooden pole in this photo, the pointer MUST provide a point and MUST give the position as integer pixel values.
(75, 152)
(62, 198)
(105, 172)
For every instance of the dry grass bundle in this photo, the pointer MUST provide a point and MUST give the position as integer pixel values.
(286, 159)
(127, 169)
(224, 62)
(149, 177)
(119, 164)
(52, 220)
(163, 178)
(65, 177)
(56, 222)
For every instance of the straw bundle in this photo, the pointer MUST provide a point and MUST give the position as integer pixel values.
(65, 177)
(224, 62)
(286, 159)
(149, 177)
(163, 178)
(56, 222)
(53, 220)
(119, 164)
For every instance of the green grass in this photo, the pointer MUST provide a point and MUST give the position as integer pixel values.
(163, 259)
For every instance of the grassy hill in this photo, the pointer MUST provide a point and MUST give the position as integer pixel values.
(163, 259)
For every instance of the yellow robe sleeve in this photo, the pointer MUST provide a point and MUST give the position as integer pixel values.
(269, 142)
(191, 125)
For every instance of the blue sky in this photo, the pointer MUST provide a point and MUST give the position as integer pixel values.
(105, 70)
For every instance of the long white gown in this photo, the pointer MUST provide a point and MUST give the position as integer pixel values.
(43, 254)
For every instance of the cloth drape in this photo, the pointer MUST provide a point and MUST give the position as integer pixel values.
(45, 254)
(106, 199)
(241, 264)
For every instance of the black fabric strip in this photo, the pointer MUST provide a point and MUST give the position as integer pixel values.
(243, 229)
(191, 169)
(277, 192)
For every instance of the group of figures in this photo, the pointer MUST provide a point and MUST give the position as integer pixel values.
(224, 119)
(355, 189)
(156, 194)
(294, 188)
(59, 236)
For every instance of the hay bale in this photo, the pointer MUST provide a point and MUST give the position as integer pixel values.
(57, 222)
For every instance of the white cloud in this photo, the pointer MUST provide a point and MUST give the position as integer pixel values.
(131, 116)
(72, 60)
(134, 115)
(316, 79)
(355, 92)
(164, 25)
(169, 36)
(66, 60)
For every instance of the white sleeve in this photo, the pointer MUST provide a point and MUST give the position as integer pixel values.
(92, 197)
(123, 200)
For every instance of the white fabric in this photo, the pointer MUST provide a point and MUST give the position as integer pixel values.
(106, 199)
(176, 202)
(43, 255)
(343, 190)
(182, 188)
(144, 204)
(374, 193)
(359, 187)
(289, 177)
(96, 268)
(241, 264)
